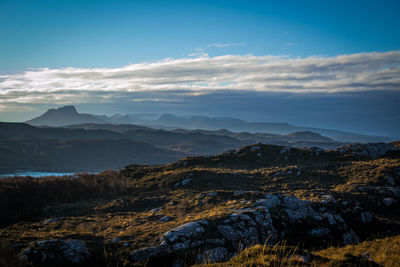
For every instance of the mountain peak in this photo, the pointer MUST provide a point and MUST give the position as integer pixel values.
(65, 110)
(63, 116)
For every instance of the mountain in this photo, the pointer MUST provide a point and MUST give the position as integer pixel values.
(309, 136)
(64, 116)
(69, 116)
(101, 146)
(236, 125)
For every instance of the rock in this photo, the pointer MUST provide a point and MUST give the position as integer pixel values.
(367, 150)
(186, 181)
(211, 194)
(228, 232)
(155, 210)
(196, 243)
(144, 254)
(238, 192)
(394, 191)
(330, 217)
(319, 232)
(270, 201)
(328, 198)
(339, 219)
(254, 224)
(165, 219)
(247, 236)
(115, 240)
(183, 182)
(181, 246)
(388, 201)
(390, 180)
(53, 220)
(55, 250)
(366, 217)
(217, 254)
(192, 229)
(178, 263)
(316, 150)
(297, 209)
(292, 202)
(247, 218)
(366, 256)
(350, 238)
(215, 241)
(75, 251)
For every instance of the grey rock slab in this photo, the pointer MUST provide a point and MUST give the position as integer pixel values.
(217, 254)
(188, 230)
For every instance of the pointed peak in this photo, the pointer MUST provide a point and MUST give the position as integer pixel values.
(63, 110)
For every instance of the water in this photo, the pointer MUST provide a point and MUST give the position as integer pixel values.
(35, 174)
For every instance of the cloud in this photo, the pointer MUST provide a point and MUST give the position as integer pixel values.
(375, 71)
(219, 45)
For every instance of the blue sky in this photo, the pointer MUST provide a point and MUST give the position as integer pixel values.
(75, 33)
(342, 53)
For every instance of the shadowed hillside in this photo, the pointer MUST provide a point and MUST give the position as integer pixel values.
(107, 146)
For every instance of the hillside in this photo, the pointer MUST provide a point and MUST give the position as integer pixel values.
(109, 146)
(308, 206)
(68, 115)
(63, 116)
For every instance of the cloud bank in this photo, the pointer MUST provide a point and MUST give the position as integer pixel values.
(376, 71)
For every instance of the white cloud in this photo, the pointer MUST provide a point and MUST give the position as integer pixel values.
(201, 75)
(219, 45)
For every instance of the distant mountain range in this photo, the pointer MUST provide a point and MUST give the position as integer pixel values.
(112, 146)
(68, 115)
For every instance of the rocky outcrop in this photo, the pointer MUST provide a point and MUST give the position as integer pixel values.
(367, 150)
(266, 220)
(56, 250)
(217, 254)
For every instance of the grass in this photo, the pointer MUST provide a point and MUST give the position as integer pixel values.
(100, 208)
(378, 252)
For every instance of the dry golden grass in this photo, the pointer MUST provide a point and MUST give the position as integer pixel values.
(378, 252)
(385, 252)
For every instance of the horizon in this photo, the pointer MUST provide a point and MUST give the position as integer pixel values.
(146, 117)
(333, 65)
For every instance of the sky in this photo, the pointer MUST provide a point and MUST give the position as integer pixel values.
(331, 64)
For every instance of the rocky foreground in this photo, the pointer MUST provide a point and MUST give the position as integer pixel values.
(206, 210)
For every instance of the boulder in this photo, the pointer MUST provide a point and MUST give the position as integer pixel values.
(56, 250)
(388, 201)
(263, 220)
(217, 254)
(188, 230)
